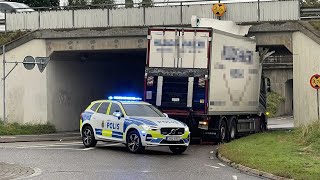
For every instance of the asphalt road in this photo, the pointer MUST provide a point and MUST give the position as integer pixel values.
(70, 160)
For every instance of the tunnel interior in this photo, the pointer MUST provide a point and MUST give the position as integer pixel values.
(74, 79)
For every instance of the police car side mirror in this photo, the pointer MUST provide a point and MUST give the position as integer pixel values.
(118, 114)
(166, 115)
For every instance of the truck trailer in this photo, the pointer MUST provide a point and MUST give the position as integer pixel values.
(209, 79)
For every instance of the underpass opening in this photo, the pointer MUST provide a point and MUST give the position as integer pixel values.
(76, 78)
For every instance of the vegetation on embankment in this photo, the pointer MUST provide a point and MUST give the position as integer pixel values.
(25, 129)
(10, 36)
(292, 153)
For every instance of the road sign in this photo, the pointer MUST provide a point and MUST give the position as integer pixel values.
(315, 81)
(219, 9)
(29, 62)
(42, 62)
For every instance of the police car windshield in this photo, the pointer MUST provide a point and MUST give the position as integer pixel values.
(143, 110)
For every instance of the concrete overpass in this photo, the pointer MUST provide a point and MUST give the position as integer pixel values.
(86, 63)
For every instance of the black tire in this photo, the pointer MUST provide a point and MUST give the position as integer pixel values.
(263, 124)
(223, 132)
(133, 142)
(178, 149)
(233, 130)
(88, 138)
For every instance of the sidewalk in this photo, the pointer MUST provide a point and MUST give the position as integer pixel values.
(62, 136)
(284, 122)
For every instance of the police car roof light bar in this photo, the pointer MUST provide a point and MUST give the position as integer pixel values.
(124, 98)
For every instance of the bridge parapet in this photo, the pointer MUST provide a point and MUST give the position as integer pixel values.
(178, 13)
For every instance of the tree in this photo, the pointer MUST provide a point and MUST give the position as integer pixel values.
(311, 3)
(129, 3)
(77, 2)
(38, 3)
(109, 2)
(147, 3)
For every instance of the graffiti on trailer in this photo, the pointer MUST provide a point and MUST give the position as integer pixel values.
(234, 54)
(186, 46)
(176, 42)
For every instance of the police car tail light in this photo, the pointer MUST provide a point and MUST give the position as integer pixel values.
(125, 98)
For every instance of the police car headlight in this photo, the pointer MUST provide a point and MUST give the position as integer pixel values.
(145, 127)
(186, 128)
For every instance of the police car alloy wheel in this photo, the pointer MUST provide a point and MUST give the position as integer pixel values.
(88, 137)
(134, 142)
(178, 149)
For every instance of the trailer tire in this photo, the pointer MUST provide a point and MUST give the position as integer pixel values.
(263, 124)
(223, 131)
(233, 130)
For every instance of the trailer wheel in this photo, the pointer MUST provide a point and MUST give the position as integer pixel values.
(263, 124)
(223, 131)
(233, 130)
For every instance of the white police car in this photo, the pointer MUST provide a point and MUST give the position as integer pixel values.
(136, 124)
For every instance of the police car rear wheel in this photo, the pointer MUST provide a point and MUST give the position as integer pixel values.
(134, 142)
(88, 137)
(178, 149)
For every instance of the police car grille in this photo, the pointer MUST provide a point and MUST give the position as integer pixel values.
(172, 142)
(168, 131)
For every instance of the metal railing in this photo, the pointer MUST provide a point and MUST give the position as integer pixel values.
(161, 13)
(279, 60)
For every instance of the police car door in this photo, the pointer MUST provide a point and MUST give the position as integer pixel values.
(114, 124)
(100, 118)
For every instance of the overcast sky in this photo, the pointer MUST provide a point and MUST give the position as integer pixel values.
(62, 2)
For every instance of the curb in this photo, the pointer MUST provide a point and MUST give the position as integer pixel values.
(37, 139)
(248, 170)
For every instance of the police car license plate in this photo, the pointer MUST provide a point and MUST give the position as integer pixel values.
(173, 138)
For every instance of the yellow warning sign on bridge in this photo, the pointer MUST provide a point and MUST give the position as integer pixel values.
(219, 9)
(315, 81)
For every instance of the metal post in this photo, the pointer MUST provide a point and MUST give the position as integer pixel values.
(258, 10)
(4, 81)
(318, 104)
(5, 21)
(181, 15)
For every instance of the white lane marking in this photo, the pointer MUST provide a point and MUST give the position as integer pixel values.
(46, 145)
(146, 171)
(211, 152)
(212, 166)
(221, 164)
(87, 149)
(234, 177)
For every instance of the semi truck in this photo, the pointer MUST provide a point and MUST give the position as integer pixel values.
(209, 79)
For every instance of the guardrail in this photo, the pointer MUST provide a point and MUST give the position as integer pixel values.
(162, 13)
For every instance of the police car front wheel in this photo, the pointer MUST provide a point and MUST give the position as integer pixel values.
(88, 137)
(134, 142)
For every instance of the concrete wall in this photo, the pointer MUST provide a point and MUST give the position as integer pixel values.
(26, 93)
(305, 64)
(278, 80)
(73, 82)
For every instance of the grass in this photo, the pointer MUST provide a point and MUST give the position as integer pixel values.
(292, 154)
(25, 129)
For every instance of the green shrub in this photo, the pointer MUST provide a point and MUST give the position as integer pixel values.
(10, 36)
(273, 102)
(24, 129)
